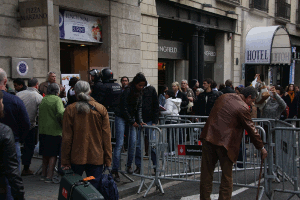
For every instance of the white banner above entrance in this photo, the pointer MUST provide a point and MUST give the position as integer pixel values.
(268, 45)
(80, 27)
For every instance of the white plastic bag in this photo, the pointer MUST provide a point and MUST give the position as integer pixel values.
(37, 148)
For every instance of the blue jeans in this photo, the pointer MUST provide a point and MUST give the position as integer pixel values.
(4, 186)
(151, 137)
(18, 150)
(120, 125)
(90, 170)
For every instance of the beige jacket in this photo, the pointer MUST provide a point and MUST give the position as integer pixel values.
(86, 137)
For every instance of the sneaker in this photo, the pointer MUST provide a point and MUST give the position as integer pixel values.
(129, 170)
(116, 176)
(48, 180)
(42, 178)
(137, 170)
(27, 172)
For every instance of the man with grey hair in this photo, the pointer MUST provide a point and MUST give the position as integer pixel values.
(51, 78)
(16, 116)
(86, 122)
(32, 100)
(221, 138)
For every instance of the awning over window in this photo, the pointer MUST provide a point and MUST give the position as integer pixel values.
(268, 45)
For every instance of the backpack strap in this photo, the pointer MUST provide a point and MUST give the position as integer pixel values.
(93, 108)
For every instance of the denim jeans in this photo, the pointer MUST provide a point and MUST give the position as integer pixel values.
(29, 145)
(120, 125)
(18, 151)
(138, 154)
(4, 186)
(90, 170)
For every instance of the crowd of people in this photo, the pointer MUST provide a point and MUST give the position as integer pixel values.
(74, 126)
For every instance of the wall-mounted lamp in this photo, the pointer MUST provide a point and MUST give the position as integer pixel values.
(229, 36)
(139, 2)
(231, 12)
(206, 5)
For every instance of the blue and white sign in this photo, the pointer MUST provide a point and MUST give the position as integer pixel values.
(22, 68)
(80, 27)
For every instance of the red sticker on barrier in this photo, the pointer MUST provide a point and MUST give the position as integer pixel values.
(199, 143)
(65, 193)
(181, 150)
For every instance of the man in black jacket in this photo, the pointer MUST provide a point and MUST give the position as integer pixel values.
(206, 99)
(150, 107)
(10, 179)
(228, 89)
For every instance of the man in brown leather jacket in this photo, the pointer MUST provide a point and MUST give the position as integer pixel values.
(221, 138)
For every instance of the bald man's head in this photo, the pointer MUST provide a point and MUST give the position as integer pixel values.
(3, 77)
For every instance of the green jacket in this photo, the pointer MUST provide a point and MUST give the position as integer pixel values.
(51, 111)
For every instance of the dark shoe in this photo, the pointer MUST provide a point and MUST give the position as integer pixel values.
(129, 170)
(27, 172)
(137, 170)
(116, 176)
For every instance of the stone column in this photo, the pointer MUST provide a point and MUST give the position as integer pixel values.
(193, 64)
(201, 54)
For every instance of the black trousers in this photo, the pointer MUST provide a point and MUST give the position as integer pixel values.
(29, 144)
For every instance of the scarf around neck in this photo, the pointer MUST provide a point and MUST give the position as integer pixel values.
(292, 95)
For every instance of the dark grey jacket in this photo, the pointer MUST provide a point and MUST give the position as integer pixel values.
(130, 106)
(9, 163)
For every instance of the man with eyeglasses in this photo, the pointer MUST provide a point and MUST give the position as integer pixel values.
(51, 78)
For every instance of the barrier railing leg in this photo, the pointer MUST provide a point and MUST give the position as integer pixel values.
(141, 185)
(150, 186)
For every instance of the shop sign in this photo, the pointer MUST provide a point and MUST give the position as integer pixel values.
(80, 27)
(36, 13)
(210, 53)
(268, 45)
(292, 73)
(22, 68)
(171, 49)
(65, 79)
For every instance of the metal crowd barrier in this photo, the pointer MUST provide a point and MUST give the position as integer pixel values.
(286, 156)
(182, 119)
(178, 157)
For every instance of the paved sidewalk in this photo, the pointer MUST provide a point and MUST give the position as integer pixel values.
(36, 189)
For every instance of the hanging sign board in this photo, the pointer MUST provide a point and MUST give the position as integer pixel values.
(171, 49)
(268, 45)
(22, 68)
(65, 79)
(36, 13)
(189, 150)
(80, 27)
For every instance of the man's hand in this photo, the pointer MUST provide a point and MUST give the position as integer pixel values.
(143, 124)
(135, 125)
(264, 153)
(191, 99)
(272, 89)
(65, 167)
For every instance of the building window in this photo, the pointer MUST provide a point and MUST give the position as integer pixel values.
(260, 5)
(283, 9)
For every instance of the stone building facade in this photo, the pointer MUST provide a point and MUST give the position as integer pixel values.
(165, 40)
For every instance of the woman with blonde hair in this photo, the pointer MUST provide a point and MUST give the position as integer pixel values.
(179, 94)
